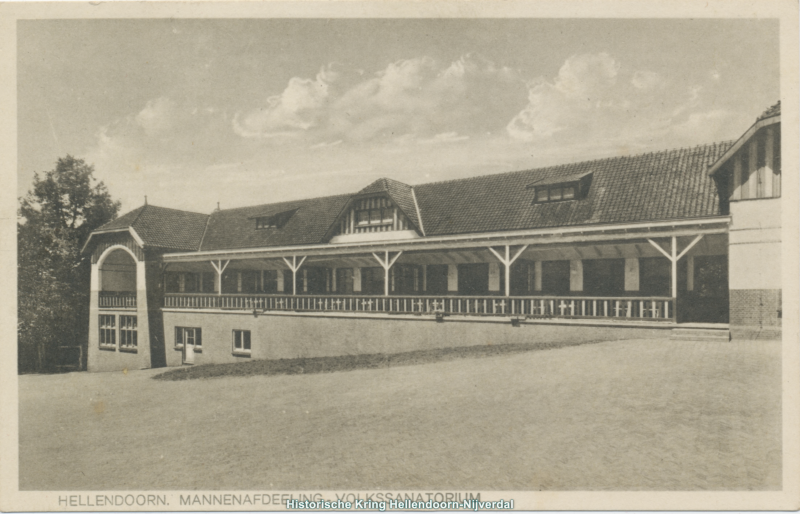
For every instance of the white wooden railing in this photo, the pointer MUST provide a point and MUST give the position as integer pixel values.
(117, 299)
(575, 307)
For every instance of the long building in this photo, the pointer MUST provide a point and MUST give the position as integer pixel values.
(682, 242)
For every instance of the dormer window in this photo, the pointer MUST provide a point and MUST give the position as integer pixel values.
(378, 211)
(556, 193)
(275, 220)
(561, 188)
(265, 222)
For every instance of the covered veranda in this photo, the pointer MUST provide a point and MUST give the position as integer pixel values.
(658, 272)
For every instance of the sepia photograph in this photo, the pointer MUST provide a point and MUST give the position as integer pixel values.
(400, 260)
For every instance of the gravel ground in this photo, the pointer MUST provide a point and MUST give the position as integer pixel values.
(622, 415)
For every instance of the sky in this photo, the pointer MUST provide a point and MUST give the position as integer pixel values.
(246, 112)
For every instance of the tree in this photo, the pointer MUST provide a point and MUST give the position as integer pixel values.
(53, 222)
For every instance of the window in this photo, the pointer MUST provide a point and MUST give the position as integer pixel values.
(375, 211)
(241, 342)
(127, 333)
(556, 193)
(189, 335)
(108, 331)
(265, 222)
(276, 220)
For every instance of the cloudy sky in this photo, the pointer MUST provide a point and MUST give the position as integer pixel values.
(242, 112)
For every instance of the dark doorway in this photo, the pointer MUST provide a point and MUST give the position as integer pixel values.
(655, 276)
(604, 277)
(473, 279)
(709, 301)
(407, 279)
(372, 280)
(436, 279)
(555, 277)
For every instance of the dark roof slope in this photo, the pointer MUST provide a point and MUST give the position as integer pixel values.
(401, 194)
(162, 227)
(654, 186)
(664, 185)
(236, 228)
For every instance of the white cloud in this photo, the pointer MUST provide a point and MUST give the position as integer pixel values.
(646, 79)
(415, 96)
(594, 103)
(157, 116)
(299, 107)
(444, 137)
(574, 98)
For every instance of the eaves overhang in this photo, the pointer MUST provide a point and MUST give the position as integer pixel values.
(758, 125)
(130, 230)
(584, 233)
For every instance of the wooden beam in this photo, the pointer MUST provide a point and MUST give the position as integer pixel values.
(694, 242)
(658, 247)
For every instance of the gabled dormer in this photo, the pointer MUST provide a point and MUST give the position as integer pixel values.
(385, 209)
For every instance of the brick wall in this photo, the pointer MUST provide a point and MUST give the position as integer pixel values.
(755, 313)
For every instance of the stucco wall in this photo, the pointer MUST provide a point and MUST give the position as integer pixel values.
(755, 244)
(101, 359)
(277, 336)
(755, 268)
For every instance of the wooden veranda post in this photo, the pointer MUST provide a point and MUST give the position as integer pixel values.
(674, 257)
(220, 268)
(386, 264)
(507, 262)
(294, 266)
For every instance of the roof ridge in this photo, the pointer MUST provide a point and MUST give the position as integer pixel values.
(590, 161)
(283, 201)
(139, 215)
(174, 209)
(205, 230)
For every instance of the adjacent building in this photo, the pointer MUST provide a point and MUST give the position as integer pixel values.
(633, 246)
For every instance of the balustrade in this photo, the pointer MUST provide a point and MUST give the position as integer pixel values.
(117, 300)
(568, 307)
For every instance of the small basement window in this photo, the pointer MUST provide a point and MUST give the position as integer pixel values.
(241, 342)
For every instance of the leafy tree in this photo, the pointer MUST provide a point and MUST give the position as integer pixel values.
(53, 222)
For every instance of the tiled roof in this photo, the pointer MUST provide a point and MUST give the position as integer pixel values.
(162, 227)
(664, 185)
(654, 186)
(400, 193)
(235, 228)
(774, 110)
(559, 179)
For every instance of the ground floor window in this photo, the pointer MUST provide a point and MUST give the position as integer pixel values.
(241, 342)
(188, 336)
(128, 339)
(108, 331)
